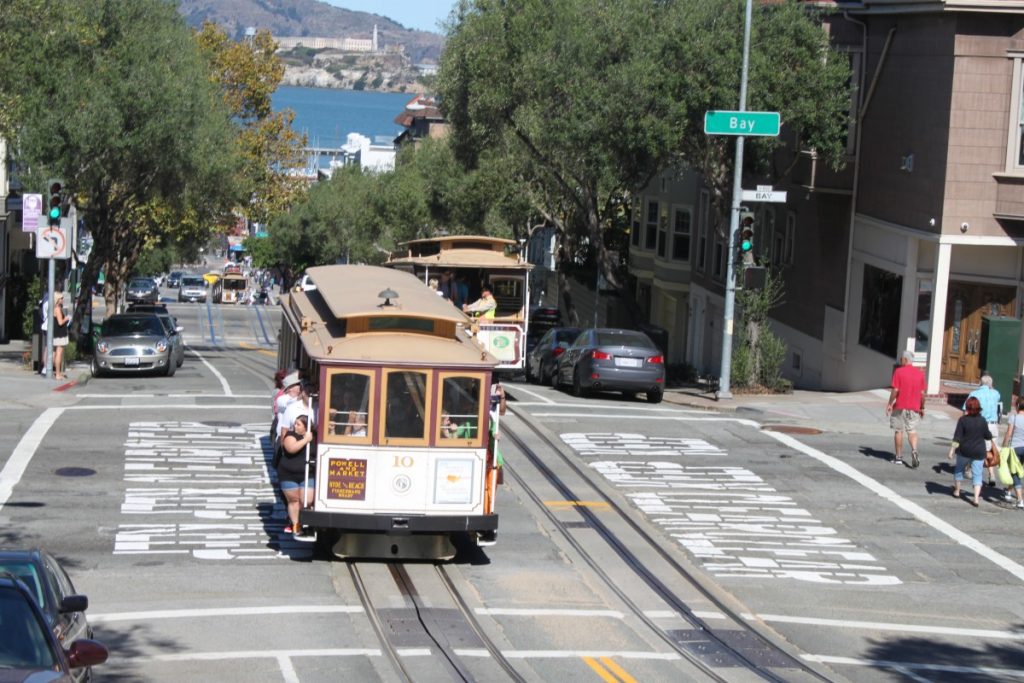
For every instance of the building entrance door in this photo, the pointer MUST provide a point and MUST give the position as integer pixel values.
(961, 343)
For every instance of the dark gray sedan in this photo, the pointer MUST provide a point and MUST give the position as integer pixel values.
(614, 360)
(540, 362)
(142, 290)
(134, 342)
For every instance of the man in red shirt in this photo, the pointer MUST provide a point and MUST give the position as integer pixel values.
(906, 406)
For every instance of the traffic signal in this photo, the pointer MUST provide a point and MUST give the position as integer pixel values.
(55, 207)
(746, 235)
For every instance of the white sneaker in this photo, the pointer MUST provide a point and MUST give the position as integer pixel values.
(1010, 496)
(1020, 504)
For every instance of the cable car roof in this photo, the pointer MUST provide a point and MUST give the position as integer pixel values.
(351, 291)
(460, 251)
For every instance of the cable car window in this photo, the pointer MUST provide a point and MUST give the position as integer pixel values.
(396, 323)
(405, 405)
(460, 408)
(348, 416)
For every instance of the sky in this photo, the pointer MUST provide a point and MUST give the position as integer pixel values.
(424, 15)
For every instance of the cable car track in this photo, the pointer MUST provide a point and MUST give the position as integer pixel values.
(450, 659)
(741, 655)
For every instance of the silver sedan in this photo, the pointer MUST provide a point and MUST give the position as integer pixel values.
(132, 343)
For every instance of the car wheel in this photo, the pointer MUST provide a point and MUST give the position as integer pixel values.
(171, 367)
(577, 384)
(96, 372)
(654, 396)
(530, 377)
(181, 360)
(554, 377)
(543, 377)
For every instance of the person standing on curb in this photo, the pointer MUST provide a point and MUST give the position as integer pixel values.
(60, 336)
(906, 406)
(989, 400)
(1015, 439)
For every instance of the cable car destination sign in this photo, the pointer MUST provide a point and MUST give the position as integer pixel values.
(718, 122)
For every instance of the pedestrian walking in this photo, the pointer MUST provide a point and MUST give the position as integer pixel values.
(1015, 439)
(988, 397)
(969, 443)
(905, 407)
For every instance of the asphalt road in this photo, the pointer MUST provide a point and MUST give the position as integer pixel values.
(154, 493)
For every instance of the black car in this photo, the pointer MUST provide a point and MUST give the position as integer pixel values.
(142, 290)
(174, 279)
(541, 360)
(29, 650)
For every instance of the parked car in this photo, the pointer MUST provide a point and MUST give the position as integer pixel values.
(174, 279)
(541, 360)
(50, 586)
(192, 288)
(142, 290)
(612, 359)
(134, 342)
(171, 325)
(28, 649)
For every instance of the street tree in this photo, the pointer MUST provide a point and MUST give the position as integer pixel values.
(247, 74)
(600, 97)
(129, 119)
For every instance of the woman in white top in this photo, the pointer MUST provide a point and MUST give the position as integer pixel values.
(1015, 439)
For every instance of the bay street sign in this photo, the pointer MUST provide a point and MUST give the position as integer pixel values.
(764, 193)
(765, 123)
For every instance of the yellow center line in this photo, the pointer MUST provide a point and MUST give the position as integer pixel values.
(246, 345)
(600, 670)
(617, 670)
(576, 503)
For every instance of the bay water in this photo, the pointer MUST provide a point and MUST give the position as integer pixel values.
(327, 115)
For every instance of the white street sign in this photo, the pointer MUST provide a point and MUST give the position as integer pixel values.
(764, 193)
(53, 241)
(31, 211)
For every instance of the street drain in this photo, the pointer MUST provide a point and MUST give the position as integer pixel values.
(74, 472)
(790, 429)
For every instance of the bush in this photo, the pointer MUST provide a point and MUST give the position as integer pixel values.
(28, 317)
(71, 353)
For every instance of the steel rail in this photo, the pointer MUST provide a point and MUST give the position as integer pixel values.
(638, 567)
(389, 650)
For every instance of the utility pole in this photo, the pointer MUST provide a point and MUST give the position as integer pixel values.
(724, 390)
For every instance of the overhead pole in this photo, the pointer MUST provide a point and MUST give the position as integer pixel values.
(724, 387)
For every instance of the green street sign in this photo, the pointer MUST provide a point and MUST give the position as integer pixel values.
(764, 123)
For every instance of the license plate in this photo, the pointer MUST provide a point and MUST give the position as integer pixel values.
(629, 362)
(131, 361)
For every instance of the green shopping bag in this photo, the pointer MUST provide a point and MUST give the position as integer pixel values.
(1004, 466)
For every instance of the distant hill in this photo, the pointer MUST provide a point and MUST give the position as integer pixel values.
(310, 18)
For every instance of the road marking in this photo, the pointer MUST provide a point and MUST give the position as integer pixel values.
(171, 396)
(174, 406)
(914, 666)
(224, 612)
(579, 654)
(544, 399)
(519, 404)
(546, 612)
(600, 670)
(619, 416)
(943, 527)
(372, 652)
(288, 672)
(23, 452)
(223, 380)
(725, 515)
(987, 634)
(617, 670)
(250, 347)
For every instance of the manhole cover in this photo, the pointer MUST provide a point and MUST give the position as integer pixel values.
(790, 429)
(75, 472)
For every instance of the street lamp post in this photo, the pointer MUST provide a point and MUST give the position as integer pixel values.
(724, 388)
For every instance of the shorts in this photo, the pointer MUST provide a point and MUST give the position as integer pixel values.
(60, 341)
(993, 429)
(976, 467)
(295, 485)
(904, 420)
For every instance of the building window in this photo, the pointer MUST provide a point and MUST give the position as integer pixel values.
(635, 226)
(681, 235)
(1015, 140)
(789, 246)
(880, 310)
(662, 234)
(718, 264)
(702, 243)
(651, 237)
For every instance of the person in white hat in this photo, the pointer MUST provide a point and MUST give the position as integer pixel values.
(292, 386)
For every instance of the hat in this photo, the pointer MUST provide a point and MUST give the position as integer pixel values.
(291, 379)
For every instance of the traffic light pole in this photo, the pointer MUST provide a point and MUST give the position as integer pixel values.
(724, 388)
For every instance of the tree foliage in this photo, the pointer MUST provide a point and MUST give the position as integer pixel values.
(247, 74)
(592, 99)
(126, 117)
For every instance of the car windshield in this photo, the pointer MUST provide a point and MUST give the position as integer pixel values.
(624, 338)
(126, 327)
(24, 645)
(140, 283)
(28, 574)
(192, 282)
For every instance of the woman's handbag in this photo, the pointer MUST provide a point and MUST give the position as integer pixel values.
(1004, 467)
(992, 458)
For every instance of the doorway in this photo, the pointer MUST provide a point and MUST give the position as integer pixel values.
(967, 304)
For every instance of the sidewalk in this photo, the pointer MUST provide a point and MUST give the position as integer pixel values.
(23, 388)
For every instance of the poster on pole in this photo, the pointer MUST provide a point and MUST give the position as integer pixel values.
(54, 241)
(31, 212)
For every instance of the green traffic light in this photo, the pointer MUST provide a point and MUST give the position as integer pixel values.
(55, 213)
(746, 245)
